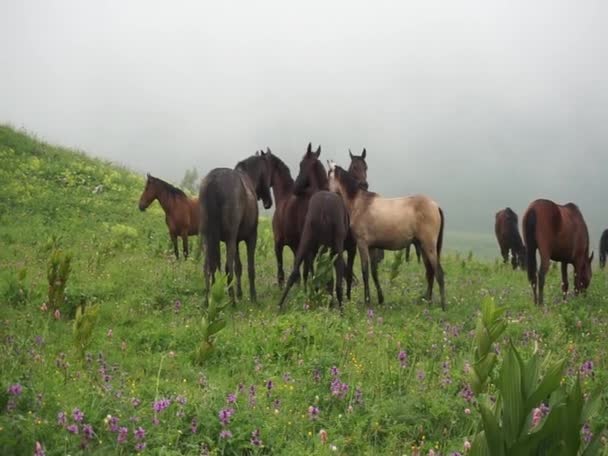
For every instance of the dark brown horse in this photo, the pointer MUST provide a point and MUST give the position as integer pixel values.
(325, 224)
(182, 214)
(290, 210)
(358, 168)
(603, 248)
(507, 235)
(229, 213)
(560, 234)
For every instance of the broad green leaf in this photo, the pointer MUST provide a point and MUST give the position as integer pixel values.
(513, 401)
(492, 431)
(548, 384)
(216, 326)
(479, 446)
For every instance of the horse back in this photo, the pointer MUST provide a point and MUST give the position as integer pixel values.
(288, 220)
(327, 218)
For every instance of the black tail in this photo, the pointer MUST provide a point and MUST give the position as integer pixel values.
(530, 240)
(440, 238)
(211, 207)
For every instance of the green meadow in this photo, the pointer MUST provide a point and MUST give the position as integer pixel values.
(124, 377)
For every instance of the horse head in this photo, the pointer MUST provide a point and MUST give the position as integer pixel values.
(149, 193)
(265, 178)
(312, 174)
(582, 273)
(358, 168)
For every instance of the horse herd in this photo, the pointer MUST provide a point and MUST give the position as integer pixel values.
(333, 209)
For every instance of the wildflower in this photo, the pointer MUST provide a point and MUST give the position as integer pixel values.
(161, 405)
(73, 428)
(431, 452)
(467, 411)
(467, 445)
(140, 446)
(87, 431)
(252, 395)
(402, 357)
(193, 426)
(269, 385)
(456, 453)
(77, 415)
(323, 436)
(225, 415)
(44, 307)
(467, 393)
(139, 433)
(286, 377)
(57, 314)
(123, 346)
(177, 306)
(587, 368)
(225, 434)
(113, 423)
(109, 334)
(135, 402)
(123, 433)
(39, 340)
(586, 433)
(370, 313)
(334, 371)
(181, 400)
(39, 450)
(316, 375)
(358, 396)
(231, 398)
(333, 447)
(276, 404)
(255, 438)
(61, 418)
(15, 389)
(313, 412)
(421, 375)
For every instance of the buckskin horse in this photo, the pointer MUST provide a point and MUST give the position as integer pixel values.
(182, 214)
(560, 234)
(392, 224)
(229, 213)
(509, 239)
(358, 168)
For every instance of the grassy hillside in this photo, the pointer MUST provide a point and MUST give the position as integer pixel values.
(401, 367)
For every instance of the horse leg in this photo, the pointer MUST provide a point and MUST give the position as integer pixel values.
(364, 254)
(174, 241)
(564, 279)
(185, 244)
(230, 260)
(238, 267)
(301, 256)
(339, 267)
(251, 243)
(407, 253)
(350, 261)
(375, 262)
(417, 249)
(278, 252)
(542, 272)
(430, 277)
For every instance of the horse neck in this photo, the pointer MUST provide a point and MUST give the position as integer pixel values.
(252, 175)
(165, 200)
(282, 186)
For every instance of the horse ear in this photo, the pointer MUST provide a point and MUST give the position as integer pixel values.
(268, 151)
(309, 150)
(147, 175)
(318, 152)
(350, 153)
(363, 154)
(257, 153)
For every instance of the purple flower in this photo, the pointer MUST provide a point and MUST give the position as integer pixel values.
(313, 412)
(177, 306)
(73, 428)
(370, 313)
(421, 375)
(225, 434)
(276, 404)
(61, 418)
(15, 389)
(77, 415)
(113, 423)
(39, 450)
(87, 431)
(181, 400)
(466, 393)
(193, 426)
(135, 402)
(231, 398)
(140, 446)
(316, 375)
(39, 340)
(586, 433)
(225, 415)
(140, 433)
(402, 357)
(286, 377)
(252, 395)
(161, 405)
(334, 371)
(358, 396)
(123, 433)
(269, 385)
(587, 368)
(255, 438)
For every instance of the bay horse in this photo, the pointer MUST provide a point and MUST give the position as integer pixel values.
(325, 224)
(392, 224)
(603, 248)
(229, 213)
(560, 234)
(358, 168)
(509, 239)
(182, 213)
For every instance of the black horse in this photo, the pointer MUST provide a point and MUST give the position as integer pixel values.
(229, 213)
(603, 248)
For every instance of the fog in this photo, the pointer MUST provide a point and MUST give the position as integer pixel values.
(480, 104)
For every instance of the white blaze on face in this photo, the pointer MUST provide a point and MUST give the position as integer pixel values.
(331, 176)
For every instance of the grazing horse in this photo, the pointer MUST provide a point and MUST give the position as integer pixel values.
(603, 248)
(322, 226)
(560, 234)
(182, 214)
(229, 213)
(290, 210)
(392, 224)
(358, 168)
(509, 239)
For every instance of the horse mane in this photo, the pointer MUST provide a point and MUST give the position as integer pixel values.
(350, 183)
(321, 175)
(172, 190)
(283, 169)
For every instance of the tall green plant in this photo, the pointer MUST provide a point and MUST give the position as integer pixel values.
(58, 272)
(398, 259)
(213, 320)
(508, 426)
(84, 324)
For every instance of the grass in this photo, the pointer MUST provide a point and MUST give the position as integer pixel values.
(277, 366)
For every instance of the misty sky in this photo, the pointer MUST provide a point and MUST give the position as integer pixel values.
(480, 104)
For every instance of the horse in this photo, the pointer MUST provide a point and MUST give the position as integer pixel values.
(229, 213)
(290, 211)
(560, 234)
(509, 239)
(358, 168)
(392, 224)
(325, 224)
(182, 213)
(603, 248)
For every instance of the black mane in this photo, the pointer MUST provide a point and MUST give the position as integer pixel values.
(350, 183)
(169, 188)
(283, 169)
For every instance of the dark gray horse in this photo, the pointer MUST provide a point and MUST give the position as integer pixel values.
(603, 248)
(229, 213)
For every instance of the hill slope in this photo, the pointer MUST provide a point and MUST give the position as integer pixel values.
(268, 368)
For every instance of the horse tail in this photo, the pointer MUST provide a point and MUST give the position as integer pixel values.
(530, 240)
(210, 202)
(440, 238)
